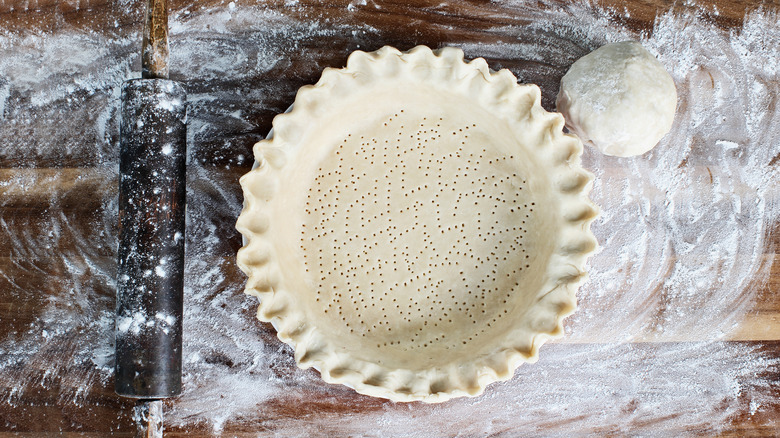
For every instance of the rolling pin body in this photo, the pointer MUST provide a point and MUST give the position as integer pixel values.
(151, 248)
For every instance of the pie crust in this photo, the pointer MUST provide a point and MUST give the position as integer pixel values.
(416, 226)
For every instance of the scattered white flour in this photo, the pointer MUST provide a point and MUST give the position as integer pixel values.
(683, 230)
(132, 323)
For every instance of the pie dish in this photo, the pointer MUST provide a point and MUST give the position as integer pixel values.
(417, 225)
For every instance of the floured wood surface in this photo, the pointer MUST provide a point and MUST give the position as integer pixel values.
(678, 327)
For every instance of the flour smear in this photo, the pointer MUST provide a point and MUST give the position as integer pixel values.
(683, 229)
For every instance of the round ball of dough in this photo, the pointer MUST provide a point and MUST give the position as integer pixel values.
(618, 98)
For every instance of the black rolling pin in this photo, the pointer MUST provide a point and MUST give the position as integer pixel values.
(152, 180)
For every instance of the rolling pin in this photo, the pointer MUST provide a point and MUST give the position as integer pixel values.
(152, 160)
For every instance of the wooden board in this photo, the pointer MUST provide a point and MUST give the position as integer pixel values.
(75, 181)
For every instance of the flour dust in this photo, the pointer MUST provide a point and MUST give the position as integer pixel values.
(683, 228)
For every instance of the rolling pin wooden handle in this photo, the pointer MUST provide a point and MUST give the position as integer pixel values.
(154, 48)
(148, 417)
(151, 244)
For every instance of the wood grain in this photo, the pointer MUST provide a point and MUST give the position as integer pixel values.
(78, 182)
(20, 15)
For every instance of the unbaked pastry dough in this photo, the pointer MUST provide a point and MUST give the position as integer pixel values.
(618, 98)
(417, 226)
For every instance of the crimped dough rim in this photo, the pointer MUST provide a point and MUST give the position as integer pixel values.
(559, 155)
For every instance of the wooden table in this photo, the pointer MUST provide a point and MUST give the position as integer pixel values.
(57, 241)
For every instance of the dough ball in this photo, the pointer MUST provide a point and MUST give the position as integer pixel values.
(618, 98)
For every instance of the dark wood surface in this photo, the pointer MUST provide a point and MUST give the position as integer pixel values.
(78, 183)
